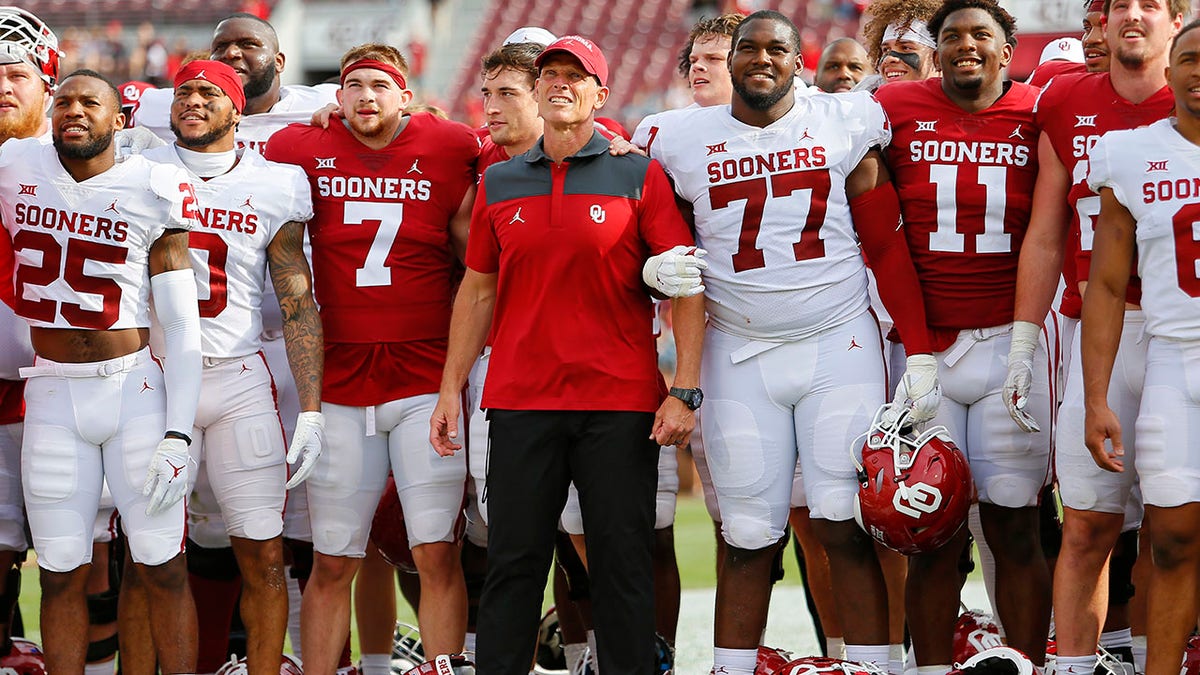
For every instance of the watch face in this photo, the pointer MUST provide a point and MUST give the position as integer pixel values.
(697, 398)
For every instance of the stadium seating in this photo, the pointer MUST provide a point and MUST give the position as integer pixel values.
(132, 12)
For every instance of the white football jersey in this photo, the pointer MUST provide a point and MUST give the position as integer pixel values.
(1155, 173)
(240, 214)
(82, 248)
(296, 104)
(771, 210)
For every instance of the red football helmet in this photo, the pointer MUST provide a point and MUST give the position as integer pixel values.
(1191, 657)
(813, 665)
(996, 660)
(444, 665)
(914, 492)
(975, 632)
(24, 37)
(235, 666)
(388, 532)
(770, 660)
(25, 658)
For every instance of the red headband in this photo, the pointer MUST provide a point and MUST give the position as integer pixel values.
(388, 68)
(1096, 6)
(217, 73)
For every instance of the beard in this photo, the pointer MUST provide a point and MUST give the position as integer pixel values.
(1133, 60)
(762, 100)
(207, 138)
(27, 125)
(259, 82)
(93, 146)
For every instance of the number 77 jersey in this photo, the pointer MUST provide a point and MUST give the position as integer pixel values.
(770, 207)
(966, 188)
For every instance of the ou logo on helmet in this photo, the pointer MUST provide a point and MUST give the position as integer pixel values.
(916, 500)
(982, 640)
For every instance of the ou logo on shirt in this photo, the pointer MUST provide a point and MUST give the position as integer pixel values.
(597, 213)
(916, 500)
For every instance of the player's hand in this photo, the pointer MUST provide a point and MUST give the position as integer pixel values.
(1020, 374)
(443, 425)
(676, 273)
(919, 390)
(619, 146)
(135, 141)
(322, 115)
(1100, 424)
(673, 423)
(167, 478)
(307, 443)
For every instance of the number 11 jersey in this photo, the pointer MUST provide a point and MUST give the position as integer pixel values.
(770, 208)
(966, 188)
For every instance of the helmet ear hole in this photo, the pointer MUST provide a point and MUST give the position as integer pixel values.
(921, 488)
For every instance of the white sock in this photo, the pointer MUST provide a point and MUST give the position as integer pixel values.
(469, 643)
(1139, 653)
(100, 668)
(375, 664)
(910, 662)
(735, 661)
(1075, 665)
(1117, 639)
(896, 659)
(591, 638)
(876, 654)
(574, 653)
(836, 647)
(933, 670)
(293, 626)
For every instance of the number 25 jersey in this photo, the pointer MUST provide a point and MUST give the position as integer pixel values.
(82, 248)
(770, 208)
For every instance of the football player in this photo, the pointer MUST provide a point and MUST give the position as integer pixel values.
(1147, 179)
(1099, 503)
(898, 39)
(793, 362)
(964, 158)
(252, 217)
(392, 196)
(89, 254)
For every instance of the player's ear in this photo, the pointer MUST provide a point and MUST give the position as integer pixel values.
(280, 59)
(1006, 54)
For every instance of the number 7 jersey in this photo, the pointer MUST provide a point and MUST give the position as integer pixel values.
(770, 207)
(966, 188)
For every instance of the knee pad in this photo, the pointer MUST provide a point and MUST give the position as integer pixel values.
(572, 566)
(1120, 568)
(217, 564)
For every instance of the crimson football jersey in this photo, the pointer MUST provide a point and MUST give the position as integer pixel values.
(1075, 111)
(1049, 70)
(966, 186)
(489, 154)
(382, 258)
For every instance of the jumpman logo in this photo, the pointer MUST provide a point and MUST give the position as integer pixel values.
(853, 344)
(247, 203)
(517, 217)
(113, 207)
(176, 469)
(1017, 133)
(245, 368)
(806, 136)
(146, 386)
(416, 169)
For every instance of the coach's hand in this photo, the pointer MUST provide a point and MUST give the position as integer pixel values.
(1020, 374)
(443, 425)
(919, 389)
(618, 146)
(167, 479)
(307, 443)
(321, 117)
(673, 423)
(676, 273)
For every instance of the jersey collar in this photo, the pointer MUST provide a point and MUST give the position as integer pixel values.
(597, 145)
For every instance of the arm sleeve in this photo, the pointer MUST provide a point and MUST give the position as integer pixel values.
(876, 216)
(179, 314)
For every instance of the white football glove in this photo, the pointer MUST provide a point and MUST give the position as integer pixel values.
(1020, 374)
(134, 141)
(919, 390)
(676, 273)
(167, 478)
(307, 443)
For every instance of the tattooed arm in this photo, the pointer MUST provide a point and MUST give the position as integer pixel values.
(302, 332)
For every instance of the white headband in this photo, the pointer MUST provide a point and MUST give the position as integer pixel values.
(917, 31)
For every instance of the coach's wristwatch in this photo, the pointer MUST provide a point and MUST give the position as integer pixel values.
(691, 397)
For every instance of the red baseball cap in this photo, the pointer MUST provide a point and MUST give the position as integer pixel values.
(583, 49)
